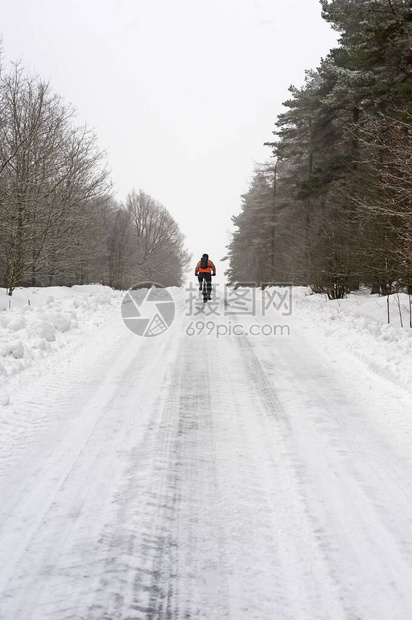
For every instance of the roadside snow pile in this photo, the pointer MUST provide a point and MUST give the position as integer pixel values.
(359, 323)
(34, 322)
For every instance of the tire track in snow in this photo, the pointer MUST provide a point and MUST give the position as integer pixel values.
(293, 579)
(115, 543)
(151, 568)
(361, 535)
(183, 487)
(60, 490)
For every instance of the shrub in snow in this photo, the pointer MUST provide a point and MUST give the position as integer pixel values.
(13, 349)
(16, 323)
(6, 319)
(45, 330)
(40, 344)
(59, 321)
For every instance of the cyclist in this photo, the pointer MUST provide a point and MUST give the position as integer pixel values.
(204, 270)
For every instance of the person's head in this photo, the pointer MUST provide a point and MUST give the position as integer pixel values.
(205, 256)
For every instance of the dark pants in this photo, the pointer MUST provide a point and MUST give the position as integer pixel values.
(208, 279)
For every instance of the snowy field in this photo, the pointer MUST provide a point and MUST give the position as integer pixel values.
(241, 465)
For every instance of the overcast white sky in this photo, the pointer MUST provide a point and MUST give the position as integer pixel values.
(182, 93)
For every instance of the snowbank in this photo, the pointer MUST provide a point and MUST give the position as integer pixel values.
(359, 324)
(35, 322)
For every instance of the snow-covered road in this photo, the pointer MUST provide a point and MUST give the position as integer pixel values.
(194, 477)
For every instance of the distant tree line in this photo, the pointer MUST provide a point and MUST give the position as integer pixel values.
(143, 243)
(59, 223)
(334, 207)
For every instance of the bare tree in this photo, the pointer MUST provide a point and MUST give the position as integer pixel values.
(51, 172)
(159, 251)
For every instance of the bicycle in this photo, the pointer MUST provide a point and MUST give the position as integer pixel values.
(206, 289)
